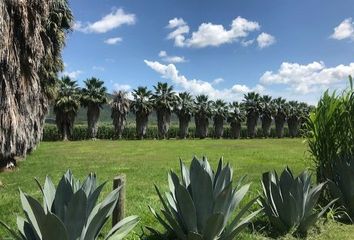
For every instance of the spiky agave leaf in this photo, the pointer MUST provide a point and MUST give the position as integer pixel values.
(200, 205)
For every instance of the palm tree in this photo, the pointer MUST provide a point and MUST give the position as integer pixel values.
(32, 36)
(236, 117)
(66, 106)
(297, 114)
(220, 112)
(93, 97)
(253, 109)
(184, 110)
(202, 115)
(142, 107)
(164, 100)
(120, 108)
(267, 110)
(280, 115)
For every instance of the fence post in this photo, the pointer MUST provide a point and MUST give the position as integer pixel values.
(118, 212)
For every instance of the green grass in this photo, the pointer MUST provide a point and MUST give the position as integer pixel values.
(147, 162)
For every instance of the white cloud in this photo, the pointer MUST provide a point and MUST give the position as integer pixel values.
(109, 22)
(113, 41)
(344, 30)
(216, 81)
(310, 78)
(209, 34)
(98, 68)
(73, 74)
(247, 43)
(196, 86)
(123, 87)
(265, 40)
(171, 59)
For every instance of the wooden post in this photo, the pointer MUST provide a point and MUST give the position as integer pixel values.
(118, 212)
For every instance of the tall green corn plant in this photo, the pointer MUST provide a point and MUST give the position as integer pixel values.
(289, 202)
(69, 212)
(331, 131)
(200, 204)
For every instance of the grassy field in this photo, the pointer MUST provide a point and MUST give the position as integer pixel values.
(146, 163)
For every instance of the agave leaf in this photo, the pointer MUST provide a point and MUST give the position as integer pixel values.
(49, 193)
(177, 229)
(223, 201)
(76, 217)
(218, 171)
(162, 200)
(25, 229)
(63, 195)
(13, 233)
(186, 208)
(159, 218)
(202, 188)
(93, 197)
(99, 216)
(312, 198)
(184, 174)
(31, 217)
(223, 180)
(214, 226)
(194, 236)
(122, 228)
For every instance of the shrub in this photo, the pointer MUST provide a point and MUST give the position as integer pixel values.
(289, 202)
(50, 133)
(69, 212)
(201, 202)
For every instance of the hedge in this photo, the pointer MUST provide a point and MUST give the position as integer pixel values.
(50, 133)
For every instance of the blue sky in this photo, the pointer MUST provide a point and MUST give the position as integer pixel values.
(224, 48)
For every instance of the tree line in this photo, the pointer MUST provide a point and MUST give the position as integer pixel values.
(165, 101)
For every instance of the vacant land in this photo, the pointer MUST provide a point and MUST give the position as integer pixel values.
(146, 163)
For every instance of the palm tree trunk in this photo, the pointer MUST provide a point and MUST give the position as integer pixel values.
(141, 124)
(219, 126)
(163, 122)
(279, 126)
(252, 119)
(266, 123)
(293, 125)
(119, 125)
(235, 130)
(203, 126)
(183, 126)
(93, 114)
(23, 102)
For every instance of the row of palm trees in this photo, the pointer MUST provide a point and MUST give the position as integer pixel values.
(165, 101)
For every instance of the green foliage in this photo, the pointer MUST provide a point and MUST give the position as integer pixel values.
(184, 105)
(164, 97)
(236, 113)
(203, 106)
(289, 203)
(201, 202)
(252, 101)
(69, 212)
(342, 185)
(68, 97)
(142, 103)
(94, 93)
(267, 108)
(220, 109)
(331, 131)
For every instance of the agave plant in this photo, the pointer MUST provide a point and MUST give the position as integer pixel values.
(236, 117)
(93, 97)
(69, 212)
(142, 107)
(184, 110)
(200, 204)
(266, 114)
(289, 203)
(202, 114)
(120, 105)
(253, 109)
(220, 111)
(164, 99)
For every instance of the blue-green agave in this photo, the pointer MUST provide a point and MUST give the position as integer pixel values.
(289, 203)
(69, 212)
(200, 204)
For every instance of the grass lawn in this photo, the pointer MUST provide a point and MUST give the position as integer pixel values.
(146, 163)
